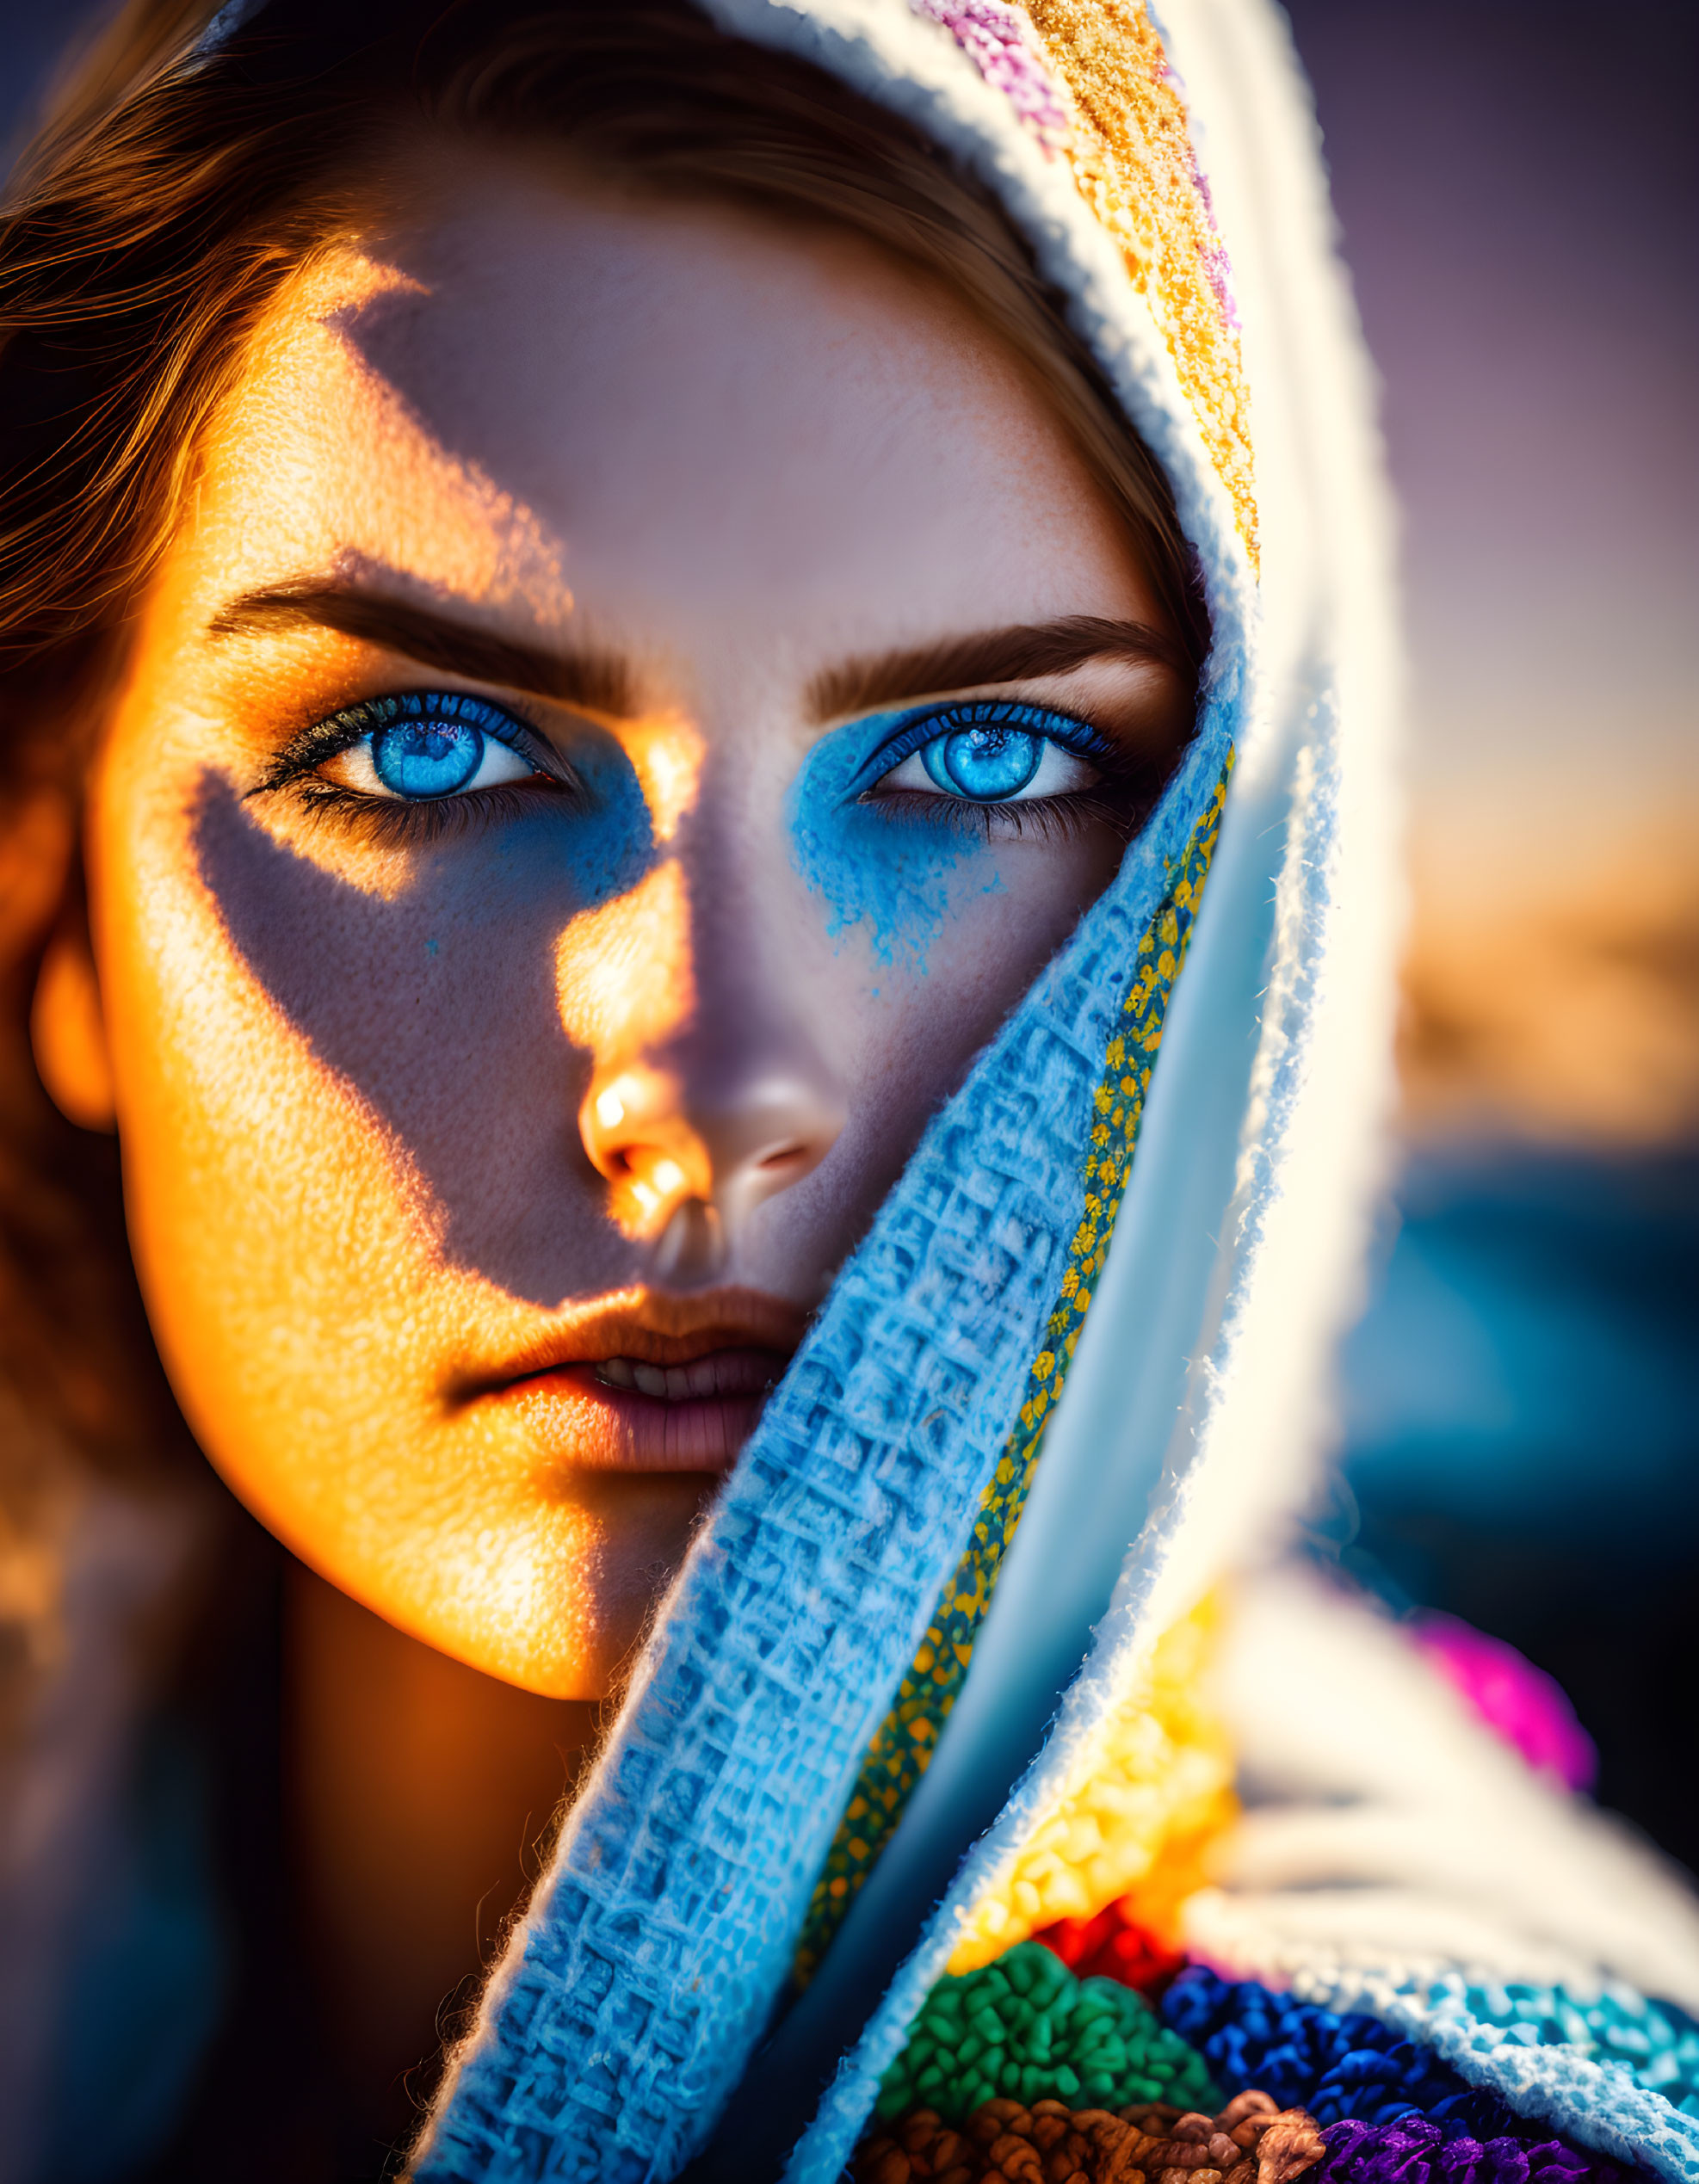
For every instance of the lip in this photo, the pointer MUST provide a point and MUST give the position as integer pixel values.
(737, 1342)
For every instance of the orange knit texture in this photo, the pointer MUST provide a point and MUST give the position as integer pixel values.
(1131, 153)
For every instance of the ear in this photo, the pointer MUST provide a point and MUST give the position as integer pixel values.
(67, 1025)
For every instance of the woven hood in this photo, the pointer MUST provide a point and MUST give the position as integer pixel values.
(1072, 1375)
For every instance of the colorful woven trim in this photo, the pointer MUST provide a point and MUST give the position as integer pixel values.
(903, 1745)
(1245, 2030)
(1654, 2042)
(1003, 45)
(1501, 2148)
(1540, 2047)
(1123, 130)
(1348, 2062)
(1004, 2142)
(1006, 2064)
(1132, 159)
(1152, 1790)
(1115, 1943)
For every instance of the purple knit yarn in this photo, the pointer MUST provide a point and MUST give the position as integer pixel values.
(1422, 2150)
(1003, 47)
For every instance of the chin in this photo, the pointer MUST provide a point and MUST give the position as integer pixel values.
(578, 1633)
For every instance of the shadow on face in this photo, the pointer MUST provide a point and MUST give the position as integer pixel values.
(439, 1004)
(448, 1115)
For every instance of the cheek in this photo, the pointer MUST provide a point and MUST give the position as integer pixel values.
(914, 1026)
(275, 1225)
(434, 1006)
(291, 1254)
(933, 900)
(290, 1249)
(901, 1037)
(898, 883)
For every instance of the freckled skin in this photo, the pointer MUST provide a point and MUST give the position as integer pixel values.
(356, 1081)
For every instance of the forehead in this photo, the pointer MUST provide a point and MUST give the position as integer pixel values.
(536, 394)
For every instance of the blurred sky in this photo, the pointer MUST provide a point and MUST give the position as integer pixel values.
(1516, 184)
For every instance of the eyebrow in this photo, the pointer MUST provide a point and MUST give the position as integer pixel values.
(1018, 654)
(602, 682)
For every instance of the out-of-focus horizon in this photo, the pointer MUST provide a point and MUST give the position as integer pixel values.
(1515, 185)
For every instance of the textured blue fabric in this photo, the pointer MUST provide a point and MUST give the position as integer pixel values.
(1351, 2063)
(664, 1931)
(1575, 2059)
(1215, 1003)
(1305, 2057)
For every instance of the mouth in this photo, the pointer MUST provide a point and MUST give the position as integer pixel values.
(647, 1382)
(720, 1374)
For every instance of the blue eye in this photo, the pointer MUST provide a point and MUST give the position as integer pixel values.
(427, 757)
(989, 764)
(420, 748)
(992, 752)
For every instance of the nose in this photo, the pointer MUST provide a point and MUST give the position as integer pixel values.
(693, 1140)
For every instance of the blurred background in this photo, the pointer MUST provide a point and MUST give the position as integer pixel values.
(1515, 183)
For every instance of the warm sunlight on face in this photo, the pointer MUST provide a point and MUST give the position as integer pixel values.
(580, 801)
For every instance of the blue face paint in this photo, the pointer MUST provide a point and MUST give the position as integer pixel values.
(899, 863)
(610, 837)
(603, 836)
(890, 871)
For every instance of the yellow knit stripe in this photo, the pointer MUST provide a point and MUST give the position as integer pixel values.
(1138, 1814)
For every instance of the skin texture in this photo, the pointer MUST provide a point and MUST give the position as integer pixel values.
(420, 1129)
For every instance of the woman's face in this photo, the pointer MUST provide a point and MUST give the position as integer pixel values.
(583, 794)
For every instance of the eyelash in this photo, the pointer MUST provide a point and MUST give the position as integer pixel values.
(1123, 797)
(387, 820)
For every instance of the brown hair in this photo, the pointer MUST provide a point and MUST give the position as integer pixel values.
(171, 193)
